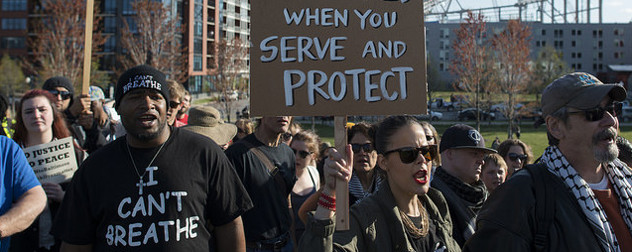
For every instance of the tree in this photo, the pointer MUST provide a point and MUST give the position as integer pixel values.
(470, 52)
(59, 40)
(153, 38)
(231, 64)
(511, 50)
(547, 67)
(12, 80)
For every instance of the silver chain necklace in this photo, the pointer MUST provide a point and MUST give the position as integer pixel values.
(141, 182)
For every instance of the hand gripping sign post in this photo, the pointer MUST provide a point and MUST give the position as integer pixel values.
(331, 57)
(53, 162)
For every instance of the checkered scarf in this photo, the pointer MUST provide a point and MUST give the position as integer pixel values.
(618, 175)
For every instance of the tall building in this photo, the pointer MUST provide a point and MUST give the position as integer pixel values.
(585, 47)
(13, 27)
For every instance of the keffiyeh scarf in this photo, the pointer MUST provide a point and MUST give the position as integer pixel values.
(620, 178)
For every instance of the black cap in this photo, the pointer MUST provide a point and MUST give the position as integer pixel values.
(461, 136)
(142, 76)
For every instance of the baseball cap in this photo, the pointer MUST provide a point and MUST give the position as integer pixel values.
(578, 90)
(461, 136)
(96, 93)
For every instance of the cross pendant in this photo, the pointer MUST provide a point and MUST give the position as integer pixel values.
(140, 185)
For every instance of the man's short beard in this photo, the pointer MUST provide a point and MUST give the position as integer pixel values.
(611, 152)
(145, 137)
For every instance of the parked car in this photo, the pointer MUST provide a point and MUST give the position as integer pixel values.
(232, 95)
(437, 103)
(469, 114)
(435, 116)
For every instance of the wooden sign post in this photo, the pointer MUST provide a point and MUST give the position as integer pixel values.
(342, 187)
(87, 48)
(331, 57)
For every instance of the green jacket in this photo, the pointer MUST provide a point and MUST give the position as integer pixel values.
(376, 225)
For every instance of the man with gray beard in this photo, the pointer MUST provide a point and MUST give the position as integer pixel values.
(578, 197)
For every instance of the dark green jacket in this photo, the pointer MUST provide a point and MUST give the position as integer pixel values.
(376, 225)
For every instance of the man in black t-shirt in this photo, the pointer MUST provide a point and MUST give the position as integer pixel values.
(269, 185)
(156, 189)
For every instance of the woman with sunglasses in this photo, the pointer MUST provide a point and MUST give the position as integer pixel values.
(433, 139)
(38, 122)
(365, 178)
(516, 153)
(305, 147)
(405, 214)
(176, 95)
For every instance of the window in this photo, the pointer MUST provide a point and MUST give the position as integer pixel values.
(573, 55)
(14, 24)
(110, 24)
(109, 45)
(543, 32)
(197, 46)
(600, 55)
(110, 6)
(12, 43)
(127, 7)
(197, 63)
(441, 67)
(579, 55)
(573, 43)
(579, 32)
(537, 43)
(573, 32)
(13, 5)
(198, 28)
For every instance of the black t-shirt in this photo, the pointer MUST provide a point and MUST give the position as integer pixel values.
(270, 217)
(189, 185)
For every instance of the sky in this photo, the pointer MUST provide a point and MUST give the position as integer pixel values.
(614, 11)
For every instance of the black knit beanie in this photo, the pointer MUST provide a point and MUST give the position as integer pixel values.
(58, 81)
(142, 76)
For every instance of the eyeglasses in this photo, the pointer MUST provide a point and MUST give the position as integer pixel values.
(301, 153)
(286, 136)
(409, 154)
(64, 94)
(367, 147)
(174, 104)
(596, 114)
(514, 156)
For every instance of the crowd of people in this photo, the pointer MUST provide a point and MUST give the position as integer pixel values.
(156, 174)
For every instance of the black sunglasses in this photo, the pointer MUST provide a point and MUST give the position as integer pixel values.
(366, 147)
(64, 94)
(515, 156)
(173, 104)
(596, 114)
(409, 154)
(301, 153)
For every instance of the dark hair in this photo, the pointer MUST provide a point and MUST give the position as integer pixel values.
(562, 115)
(625, 150)
(4, 106)
(364, 128)
(503, 150)
(387, 128)
(60, 130)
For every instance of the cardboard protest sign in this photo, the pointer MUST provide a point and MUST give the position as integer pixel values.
(53, 162)
(330, 57)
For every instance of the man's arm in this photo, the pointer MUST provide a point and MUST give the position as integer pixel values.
(230, 236)
(23, 212)
(67, 247)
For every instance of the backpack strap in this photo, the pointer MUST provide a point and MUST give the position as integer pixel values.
(273, 170)
(544, 204)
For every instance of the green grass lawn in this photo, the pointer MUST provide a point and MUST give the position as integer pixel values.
(536, 138)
